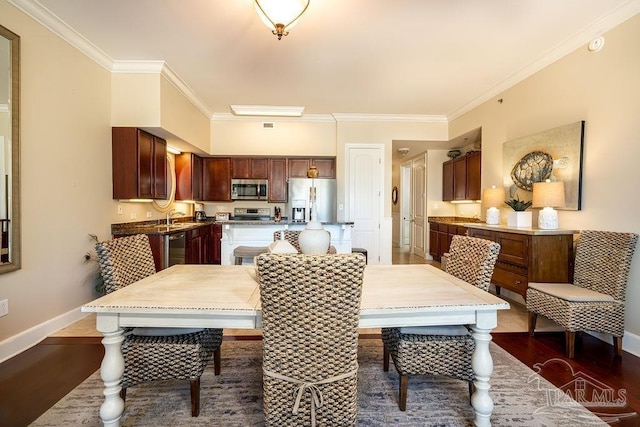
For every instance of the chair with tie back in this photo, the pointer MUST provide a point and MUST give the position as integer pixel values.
(310, 315)
(595, 301)
(442, 350)
(152, 354)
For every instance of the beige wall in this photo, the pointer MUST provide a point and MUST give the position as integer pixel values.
(66, 168)
(289, 137)
(603, 89)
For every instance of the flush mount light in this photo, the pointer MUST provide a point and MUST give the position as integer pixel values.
(173, 150)
(267, 110)
(280, 15)
(403, 151)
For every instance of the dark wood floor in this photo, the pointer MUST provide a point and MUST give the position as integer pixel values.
(33, 381)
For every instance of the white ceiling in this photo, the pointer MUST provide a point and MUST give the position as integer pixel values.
(435, 58)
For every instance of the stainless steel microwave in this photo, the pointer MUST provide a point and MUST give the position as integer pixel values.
(249, 189)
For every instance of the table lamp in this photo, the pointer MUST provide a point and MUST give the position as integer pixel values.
(492, 198)
(548, 195)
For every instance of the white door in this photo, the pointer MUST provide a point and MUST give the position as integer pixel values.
(418, 188)
(405, 207)
(365, 206)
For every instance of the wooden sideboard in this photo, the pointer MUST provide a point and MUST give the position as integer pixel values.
(528, 255)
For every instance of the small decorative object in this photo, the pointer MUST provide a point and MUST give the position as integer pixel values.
(282, 246)
(312, 172)
(314, 239)
(519, 218)
(492, 198)
(452, 154)
(548, 195)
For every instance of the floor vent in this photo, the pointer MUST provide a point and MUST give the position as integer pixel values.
(268, 125)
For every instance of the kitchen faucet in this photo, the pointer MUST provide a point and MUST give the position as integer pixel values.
(171, 214)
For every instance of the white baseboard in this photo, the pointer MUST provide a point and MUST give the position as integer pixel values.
(27, 339)
(630, 342)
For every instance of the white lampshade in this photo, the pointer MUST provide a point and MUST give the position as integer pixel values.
(548, 195)
(280, 15)
(491, 199)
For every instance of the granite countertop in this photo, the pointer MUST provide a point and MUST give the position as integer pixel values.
(458, 220)
(184, 224)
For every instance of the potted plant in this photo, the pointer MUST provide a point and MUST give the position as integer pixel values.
(520, 217)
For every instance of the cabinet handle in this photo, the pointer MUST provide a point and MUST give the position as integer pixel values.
(518, 282)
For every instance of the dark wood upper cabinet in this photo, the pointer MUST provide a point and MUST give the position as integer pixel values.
(188, 177)
(447, 181)
(298, 167)
(461, 178)
(249, 168)
(278, 180)
(473, 190)
(216, 179)
(139, 164)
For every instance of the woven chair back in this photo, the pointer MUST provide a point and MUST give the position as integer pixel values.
(472, 259)
(310, 314)
(125, 260)
(603, 260)
(290, 236)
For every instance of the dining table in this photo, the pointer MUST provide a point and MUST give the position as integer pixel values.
(228, 296)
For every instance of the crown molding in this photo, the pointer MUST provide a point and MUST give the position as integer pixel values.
(576, 41)
(416, 118)
(62, 30)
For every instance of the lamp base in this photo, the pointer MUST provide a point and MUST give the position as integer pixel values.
(493, 216)
(548, 219)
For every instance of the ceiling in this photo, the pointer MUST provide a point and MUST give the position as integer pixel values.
(433, 58)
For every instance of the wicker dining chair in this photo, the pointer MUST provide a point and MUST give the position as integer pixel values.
(152, 354)
(292, 236)
(595, 301)
(310, 314)
(442, 350)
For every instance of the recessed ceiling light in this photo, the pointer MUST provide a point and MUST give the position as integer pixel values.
(267, 110)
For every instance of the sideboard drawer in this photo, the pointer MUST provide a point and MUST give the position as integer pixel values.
(510, 280)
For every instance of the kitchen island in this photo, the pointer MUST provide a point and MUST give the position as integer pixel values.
(259, 233)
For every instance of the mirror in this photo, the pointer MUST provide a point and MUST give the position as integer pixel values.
(9, 151)
(166, 205)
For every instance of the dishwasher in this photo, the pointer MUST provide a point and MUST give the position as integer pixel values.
(174, 249)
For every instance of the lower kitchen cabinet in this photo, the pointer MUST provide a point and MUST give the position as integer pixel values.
(529, 256)
(193, 248)
(440, 236)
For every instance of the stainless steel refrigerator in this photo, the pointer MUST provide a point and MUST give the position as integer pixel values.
(299, 199)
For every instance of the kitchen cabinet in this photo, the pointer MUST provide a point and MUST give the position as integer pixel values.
(139, 164)
(188, 177)
(216, 244)
(194, 249)
(529, 256)
(249, 168)
(461, 178)
(440, 236)
(298, 167)
(278, 180)
(216, 179)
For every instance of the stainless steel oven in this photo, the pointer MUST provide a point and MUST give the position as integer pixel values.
(174, 249)
(249, 189)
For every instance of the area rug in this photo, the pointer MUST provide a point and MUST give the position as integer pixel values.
(521, 397)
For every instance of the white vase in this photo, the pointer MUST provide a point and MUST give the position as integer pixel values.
(314, 239)
(519, 219)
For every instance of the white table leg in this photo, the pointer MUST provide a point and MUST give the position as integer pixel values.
(482, 364)
(111, 371)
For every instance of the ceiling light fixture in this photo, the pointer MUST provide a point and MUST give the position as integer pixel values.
(403, 151)
(280, 15)
(267, 110)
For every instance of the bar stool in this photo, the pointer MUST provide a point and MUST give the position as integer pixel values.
(247, 252)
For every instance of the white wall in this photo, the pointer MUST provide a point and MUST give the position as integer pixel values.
(603, 89)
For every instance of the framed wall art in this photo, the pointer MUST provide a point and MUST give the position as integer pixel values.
(555, 154)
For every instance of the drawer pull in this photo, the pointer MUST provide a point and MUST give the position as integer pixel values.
(517, 282)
